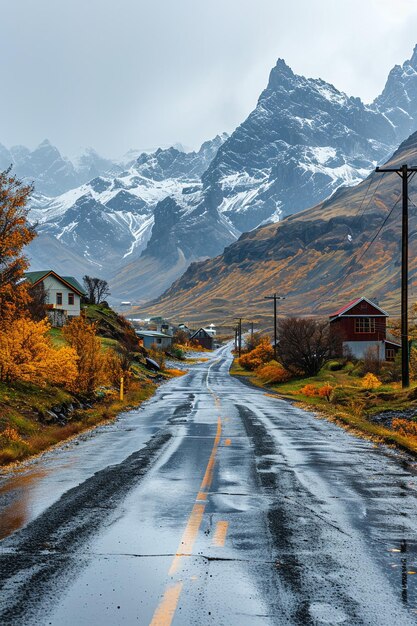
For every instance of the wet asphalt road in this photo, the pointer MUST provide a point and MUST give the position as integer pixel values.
(212, 504)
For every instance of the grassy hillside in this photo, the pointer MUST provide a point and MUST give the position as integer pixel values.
(33, 417)
(318, 258)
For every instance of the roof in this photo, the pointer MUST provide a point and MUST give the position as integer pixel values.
(35, 277)
(204, 330)
(344, 309)
(392, 343)
(152, 333)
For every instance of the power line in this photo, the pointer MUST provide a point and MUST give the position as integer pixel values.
(356, 219)
(379, 229)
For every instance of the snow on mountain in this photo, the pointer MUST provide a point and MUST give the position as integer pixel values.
(52, 173)
(303, 141)
(109, 220)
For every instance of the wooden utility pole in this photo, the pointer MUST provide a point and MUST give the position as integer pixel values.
(405, 173)
(239, 330)
(274, 297)
(251, 333)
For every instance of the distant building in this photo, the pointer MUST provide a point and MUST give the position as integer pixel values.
(155, 339)
(202, 337)
(63, 294)
(363, 325)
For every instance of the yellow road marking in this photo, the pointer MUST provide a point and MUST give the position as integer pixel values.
(227, 442)
(165, 612)
(219, 537)
(189, 536)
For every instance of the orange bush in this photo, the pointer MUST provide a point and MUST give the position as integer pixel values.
(326, 391)
(11, 434)
(273, 372)
(262, 354)
(405, 427)
(370, 381)
(309, 390)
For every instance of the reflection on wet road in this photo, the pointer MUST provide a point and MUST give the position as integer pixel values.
(212, 504)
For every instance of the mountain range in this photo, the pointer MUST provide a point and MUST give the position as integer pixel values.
(141, 225)
(317, 259)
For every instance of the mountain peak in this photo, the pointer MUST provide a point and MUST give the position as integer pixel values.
(413, 60)
(281, 72)
(45, 144)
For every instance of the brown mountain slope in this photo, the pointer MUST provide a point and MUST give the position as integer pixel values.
(318, 258)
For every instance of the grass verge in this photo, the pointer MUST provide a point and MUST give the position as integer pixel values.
(350, 406)
(25, 410)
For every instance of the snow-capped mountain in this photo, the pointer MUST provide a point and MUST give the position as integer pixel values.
(303, 140)
(109, 220)
(52, 173)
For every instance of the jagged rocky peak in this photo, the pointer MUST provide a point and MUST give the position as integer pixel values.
(303, 140)
(174, 163)
(398, 101)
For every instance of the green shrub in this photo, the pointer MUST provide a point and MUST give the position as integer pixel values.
(333, 366)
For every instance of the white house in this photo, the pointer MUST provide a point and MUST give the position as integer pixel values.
(63, 294)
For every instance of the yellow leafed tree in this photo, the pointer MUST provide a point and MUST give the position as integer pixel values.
(82, 337)
(15, 233)
(27, 354)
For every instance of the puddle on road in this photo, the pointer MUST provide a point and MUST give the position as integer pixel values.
(18, 496)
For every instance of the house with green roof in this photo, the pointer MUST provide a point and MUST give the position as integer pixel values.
(62, 294)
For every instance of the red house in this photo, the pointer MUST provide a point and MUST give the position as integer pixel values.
(363, 325)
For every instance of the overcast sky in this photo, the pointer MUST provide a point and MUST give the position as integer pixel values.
(120, 74)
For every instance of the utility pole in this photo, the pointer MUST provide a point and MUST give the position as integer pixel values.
(239, 330)
(405, 174)
(251, 332)
(274, 297)
(235, 338)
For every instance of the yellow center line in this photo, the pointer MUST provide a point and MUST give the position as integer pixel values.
(189, 536)
(219, 537)
(165, 612)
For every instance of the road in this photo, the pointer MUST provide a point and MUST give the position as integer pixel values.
(214, 503)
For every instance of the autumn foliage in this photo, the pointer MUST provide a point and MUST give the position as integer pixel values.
(263, 353)
(273, 372)
(27, 354)
(370, 381)
(405, 427)
(325, 391)
(81, 335)
(15, 233)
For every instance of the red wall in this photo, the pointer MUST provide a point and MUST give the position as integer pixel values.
(346, 325)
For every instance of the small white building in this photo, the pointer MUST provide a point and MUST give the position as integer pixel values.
(155, 339)
(211, 330)
(63, 294)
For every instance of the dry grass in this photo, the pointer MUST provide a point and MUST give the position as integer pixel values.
(173, 373)
(350, 405)
(23, 435)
